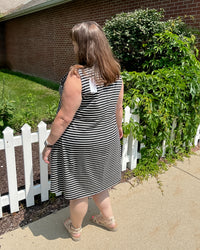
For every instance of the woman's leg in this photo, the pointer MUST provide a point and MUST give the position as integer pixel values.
(78, 210)
(102, 201)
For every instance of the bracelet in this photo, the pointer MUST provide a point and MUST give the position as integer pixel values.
(47, 144)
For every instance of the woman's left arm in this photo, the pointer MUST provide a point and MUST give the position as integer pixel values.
(71, 101)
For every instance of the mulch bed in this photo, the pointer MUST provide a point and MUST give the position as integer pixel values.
(19, 168)
(26, 215)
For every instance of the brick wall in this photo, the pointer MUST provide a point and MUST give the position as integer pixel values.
(2, 46)
(39, 44)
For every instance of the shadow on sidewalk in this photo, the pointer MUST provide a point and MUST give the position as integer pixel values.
(51, 227)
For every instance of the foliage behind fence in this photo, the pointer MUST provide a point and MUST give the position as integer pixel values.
(164, 75)
(169, 100)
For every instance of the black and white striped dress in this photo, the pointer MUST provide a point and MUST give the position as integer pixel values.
(86, 159)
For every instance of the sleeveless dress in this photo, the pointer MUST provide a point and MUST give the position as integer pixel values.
(86, 159)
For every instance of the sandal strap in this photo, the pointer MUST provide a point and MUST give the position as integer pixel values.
(76, 230)
(71, 228)
(101, 220)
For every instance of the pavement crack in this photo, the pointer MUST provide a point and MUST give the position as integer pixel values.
(187, 173)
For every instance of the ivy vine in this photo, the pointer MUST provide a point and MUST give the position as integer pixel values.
(168, 95)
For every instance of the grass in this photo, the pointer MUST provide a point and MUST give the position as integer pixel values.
(35, 99)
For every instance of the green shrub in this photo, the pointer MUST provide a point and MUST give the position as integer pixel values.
(6, 111)
(51, 110)
(163, 73)
(28, 114)
(167, 50)
(130, 35)
(166, 95)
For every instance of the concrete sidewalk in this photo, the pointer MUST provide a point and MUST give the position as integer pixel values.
(147, 219)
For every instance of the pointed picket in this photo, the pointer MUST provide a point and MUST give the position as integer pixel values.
(133, 145)
(197, 137)
(163, 148)
(11, 169)
(127, 114)
(1, 144)
(174, 123)
(28, 165)
(125, 156)
(42, 135)
(130, 144)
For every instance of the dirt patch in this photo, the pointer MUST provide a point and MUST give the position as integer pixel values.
(19, 168)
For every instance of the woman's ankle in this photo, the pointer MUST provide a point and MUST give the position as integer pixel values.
(76, 228)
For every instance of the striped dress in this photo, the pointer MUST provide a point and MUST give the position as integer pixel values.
(86, 159)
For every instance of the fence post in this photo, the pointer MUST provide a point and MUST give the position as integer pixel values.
(125, 159)
(11, 169)
(172, 136)
(42, 135)
(197, 137)
(28, 166)
(163, 148)
(133, 145)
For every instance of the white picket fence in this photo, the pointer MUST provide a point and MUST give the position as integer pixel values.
(130, 155)
(8, 143)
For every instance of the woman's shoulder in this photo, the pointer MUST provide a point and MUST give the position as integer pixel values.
(74, 69)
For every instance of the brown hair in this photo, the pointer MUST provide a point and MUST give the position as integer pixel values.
(94, 51)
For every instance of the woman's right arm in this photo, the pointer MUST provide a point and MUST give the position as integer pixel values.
(119, 111)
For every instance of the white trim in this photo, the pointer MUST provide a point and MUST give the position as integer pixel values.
(38, 7)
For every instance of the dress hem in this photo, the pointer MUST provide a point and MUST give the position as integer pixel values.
(89, 195)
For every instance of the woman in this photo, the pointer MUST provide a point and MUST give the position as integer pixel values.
(84, 142)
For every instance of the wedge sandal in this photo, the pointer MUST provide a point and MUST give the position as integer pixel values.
(109, 223)
(75, 233)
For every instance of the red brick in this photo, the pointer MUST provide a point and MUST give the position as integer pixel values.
(39, 44)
